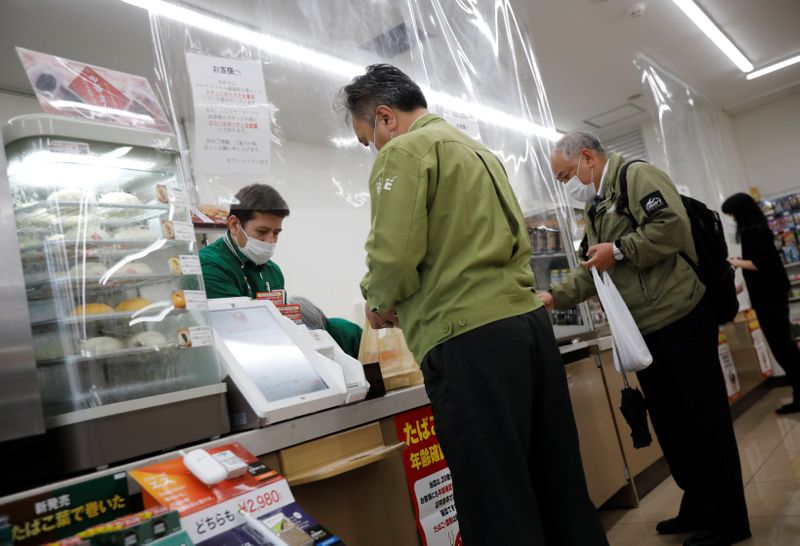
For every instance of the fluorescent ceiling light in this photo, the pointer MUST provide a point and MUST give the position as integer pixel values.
(334, 65)
(773, 67)
(711, 30)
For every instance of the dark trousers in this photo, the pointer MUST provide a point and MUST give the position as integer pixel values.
(688, 404)
(774, 321)
(504, 420)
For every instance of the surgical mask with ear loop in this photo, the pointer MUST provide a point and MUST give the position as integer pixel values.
(372, 147)
(577, 189)
(258, 251)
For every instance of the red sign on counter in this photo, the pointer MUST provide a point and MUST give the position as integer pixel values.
(428, 477)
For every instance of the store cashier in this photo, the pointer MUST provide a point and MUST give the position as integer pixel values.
(238, 263)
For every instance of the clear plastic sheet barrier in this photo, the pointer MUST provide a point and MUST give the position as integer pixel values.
(473, 61)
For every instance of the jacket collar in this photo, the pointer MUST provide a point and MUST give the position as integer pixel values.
(611, 179)
(424, 120)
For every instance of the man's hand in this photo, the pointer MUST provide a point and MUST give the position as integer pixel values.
(601, 256)
(381, 320)
(547, 300)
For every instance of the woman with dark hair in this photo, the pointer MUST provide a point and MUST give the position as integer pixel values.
(768, 286)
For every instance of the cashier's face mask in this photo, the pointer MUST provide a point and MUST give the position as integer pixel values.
(258, 251)
(577, 189)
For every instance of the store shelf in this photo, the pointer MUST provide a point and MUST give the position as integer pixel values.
(109, 317)
(542, 255)
(793, 264)
(102, 213)
(124, 353)
(119, 245)
(106, 207)
(794, 300)
(41, 286)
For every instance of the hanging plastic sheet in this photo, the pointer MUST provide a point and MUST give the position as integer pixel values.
(695, 137)
(697, 142)
(473, 61)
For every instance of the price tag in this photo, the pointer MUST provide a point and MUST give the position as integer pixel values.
(178, 197)
(190, 265)
(195, 336)
(67, 147)
(179, 231)
(225, 515)
(195, 299)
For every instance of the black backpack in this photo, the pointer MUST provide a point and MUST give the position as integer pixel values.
(712, 268)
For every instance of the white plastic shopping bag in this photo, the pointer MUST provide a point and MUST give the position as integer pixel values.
(630, 351)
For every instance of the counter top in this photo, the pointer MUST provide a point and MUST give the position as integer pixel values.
(309, 427)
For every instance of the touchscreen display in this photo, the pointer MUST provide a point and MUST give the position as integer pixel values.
(266, 353)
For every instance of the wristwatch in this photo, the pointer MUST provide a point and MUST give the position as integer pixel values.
(618, 255)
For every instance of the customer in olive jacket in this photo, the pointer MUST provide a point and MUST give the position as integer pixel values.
(448, 256)
(684, 387)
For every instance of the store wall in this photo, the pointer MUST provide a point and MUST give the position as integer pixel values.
(769, 140)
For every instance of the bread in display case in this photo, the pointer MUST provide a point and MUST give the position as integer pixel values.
(114, 288)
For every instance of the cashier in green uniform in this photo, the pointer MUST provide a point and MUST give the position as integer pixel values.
(238, 263)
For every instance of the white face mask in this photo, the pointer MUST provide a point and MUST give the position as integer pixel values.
(372, 147)
(577, 189)
(258, 251)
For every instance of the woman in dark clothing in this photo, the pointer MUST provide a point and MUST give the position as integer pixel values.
(768, 286)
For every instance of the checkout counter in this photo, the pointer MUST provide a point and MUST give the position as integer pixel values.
(343, 463)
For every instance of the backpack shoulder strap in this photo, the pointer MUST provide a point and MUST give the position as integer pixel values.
(623, 203)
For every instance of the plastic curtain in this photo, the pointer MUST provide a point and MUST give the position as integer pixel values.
(697, 142)
(695, 137)
(473, 61)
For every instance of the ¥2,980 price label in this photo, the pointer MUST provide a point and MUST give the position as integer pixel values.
(221, 517)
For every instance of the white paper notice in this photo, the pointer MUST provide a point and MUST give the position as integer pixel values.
(232, 116)
(190, 265)
(437, 509)
(760, 345)
(729, 371)
(465, 123)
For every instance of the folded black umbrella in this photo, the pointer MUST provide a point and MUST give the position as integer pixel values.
(634, 409)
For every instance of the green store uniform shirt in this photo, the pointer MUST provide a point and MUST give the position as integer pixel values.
(657, 284)
(447, 248)
(228, 273)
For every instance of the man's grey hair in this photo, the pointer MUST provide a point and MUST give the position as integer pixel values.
(313, 317)
(572, 143)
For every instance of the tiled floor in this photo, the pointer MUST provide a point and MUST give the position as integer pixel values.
(770, 451)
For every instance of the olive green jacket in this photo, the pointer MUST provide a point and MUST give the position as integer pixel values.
(658, 285)
(447, 248)
(227, 273)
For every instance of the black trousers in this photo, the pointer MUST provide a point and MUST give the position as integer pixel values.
(774, 321)
(688, 404)
(504, 420)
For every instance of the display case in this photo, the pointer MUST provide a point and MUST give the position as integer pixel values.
(117, 308)
(555, 236)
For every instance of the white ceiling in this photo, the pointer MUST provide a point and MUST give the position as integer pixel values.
(584, 48)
